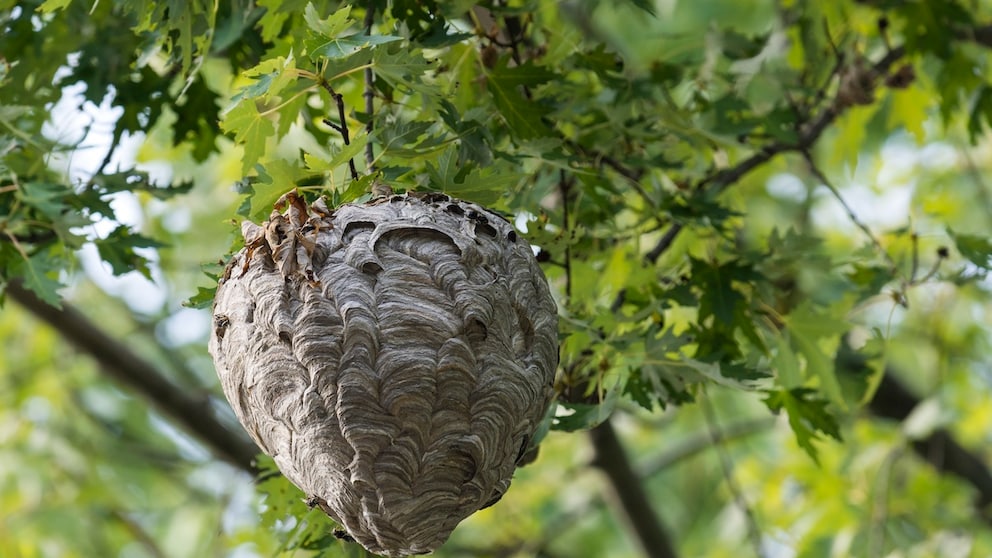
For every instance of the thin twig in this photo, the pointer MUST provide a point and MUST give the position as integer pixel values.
(712, 426)
(341, 128)
(633, 175)
(665, 243)
(369, 94)
(818, 174)
(514, 33)
(115, 142)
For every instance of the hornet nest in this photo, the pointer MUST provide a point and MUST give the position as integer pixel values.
(394, 358)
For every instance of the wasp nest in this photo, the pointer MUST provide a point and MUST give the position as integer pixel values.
(394, 359)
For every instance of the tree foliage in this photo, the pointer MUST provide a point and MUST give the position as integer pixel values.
(745, 209)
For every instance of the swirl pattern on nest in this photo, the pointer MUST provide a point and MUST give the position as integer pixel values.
(394, 358)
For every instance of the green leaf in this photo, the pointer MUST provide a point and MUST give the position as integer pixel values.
(786, 364)
(342, 47)
(355, 190)
(271, 77)
(981, 112)
(910, 108)
(861, 371)
(274, 179)
(204, 298)
(808, 416)
(340, 158)
(584, 416)
(330, 26)
(976, 249)
(445, 174)
(809, 332)
(523, 116)
(403, 139)
(276, 13)
(403, 68)
(481, 185)
(49, 6)
(720, 299)
(526, 74)
(117, 249)
(640, 390)
(286, 504)
(258, 89)
(46, 197)
(646, 5)
(137, 181)
(250, 129)
(484, 185)
(39, 273)
(869, 278)
(852, 130)
(289, 113)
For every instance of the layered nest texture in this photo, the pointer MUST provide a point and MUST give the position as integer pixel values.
(394, 358)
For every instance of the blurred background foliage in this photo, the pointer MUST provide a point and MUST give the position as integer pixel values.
(766, 224)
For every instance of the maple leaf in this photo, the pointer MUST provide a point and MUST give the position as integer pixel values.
(250, 129)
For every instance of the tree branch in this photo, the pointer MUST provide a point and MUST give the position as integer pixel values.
(123, 365)
(698, 444)
(558, 525)
(611, 458)
(808, 135)
(343, 127)
(893, 400)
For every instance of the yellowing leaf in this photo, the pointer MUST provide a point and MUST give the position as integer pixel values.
(616, 271)
(52, 5)
(272, 76)
(852, 128)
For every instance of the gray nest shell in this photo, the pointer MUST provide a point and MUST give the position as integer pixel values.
(394, 359)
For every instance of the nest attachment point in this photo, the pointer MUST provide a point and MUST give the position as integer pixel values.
(394, 358)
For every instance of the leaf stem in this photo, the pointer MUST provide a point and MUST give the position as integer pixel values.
(286, 102)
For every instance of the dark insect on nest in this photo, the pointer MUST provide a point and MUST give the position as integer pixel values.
(394, 358)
